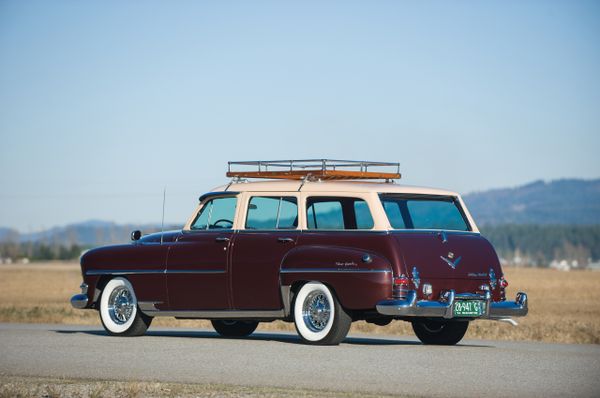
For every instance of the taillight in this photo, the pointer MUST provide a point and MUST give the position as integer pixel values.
(401, 280)
(503, 282)
(400, 288)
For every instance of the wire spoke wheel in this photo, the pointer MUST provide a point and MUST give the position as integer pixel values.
(121, 305)
(316, 311)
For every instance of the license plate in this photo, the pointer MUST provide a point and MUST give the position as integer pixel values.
(468, 308)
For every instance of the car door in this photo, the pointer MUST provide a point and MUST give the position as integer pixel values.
(197, 265)
(270, 232)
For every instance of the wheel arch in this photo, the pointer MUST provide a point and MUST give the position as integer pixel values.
(358, 278)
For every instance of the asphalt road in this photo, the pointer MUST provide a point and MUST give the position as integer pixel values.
(397, 365)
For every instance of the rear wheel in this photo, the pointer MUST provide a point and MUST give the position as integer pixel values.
(231, 328)
(318, 315)
(440, 332)
(119, 312)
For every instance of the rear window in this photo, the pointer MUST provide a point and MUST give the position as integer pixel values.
(424, 212)
(338, 213)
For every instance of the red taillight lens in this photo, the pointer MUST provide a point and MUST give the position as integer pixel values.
(503, 283)
(400, 287)
(401, 280)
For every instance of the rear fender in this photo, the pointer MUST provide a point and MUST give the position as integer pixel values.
(359, 278)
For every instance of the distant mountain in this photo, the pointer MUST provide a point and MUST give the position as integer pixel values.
(87, 233)
(564, 202)
(567, 201)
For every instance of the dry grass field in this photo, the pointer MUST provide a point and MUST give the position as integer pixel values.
(563, 306)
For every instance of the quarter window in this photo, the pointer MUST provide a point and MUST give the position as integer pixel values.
(272, 213)
(217, 213)
(338, 213)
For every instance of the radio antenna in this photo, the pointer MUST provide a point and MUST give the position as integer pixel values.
(162, 224)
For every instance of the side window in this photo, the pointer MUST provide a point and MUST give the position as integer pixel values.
(363, 215)
(338, 213)
(325, 215)
(217, 213)
(272, 213)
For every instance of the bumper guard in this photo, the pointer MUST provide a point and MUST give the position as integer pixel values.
(80, 301)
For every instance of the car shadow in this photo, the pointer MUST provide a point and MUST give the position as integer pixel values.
(265, 336)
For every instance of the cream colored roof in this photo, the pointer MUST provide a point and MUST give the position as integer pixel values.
(331, 186)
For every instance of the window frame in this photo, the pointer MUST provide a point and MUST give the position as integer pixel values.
(345, 195)
(206, 198)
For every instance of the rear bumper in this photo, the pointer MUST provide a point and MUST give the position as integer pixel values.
(410, 307)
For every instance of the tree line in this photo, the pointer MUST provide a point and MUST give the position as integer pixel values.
(536, 245)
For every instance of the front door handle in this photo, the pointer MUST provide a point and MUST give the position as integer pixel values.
(285, 240)
(222, 239)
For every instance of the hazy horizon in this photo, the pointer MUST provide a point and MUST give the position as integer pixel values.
(102, 105)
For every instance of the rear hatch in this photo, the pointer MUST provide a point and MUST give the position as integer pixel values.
(462, 261)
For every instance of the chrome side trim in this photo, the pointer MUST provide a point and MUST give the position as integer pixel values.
(341, 270)
(195, 271)
(219, 314)
(151, 271)
(93, 272)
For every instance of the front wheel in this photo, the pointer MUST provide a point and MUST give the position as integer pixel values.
(119, 312)
(319, 317)
(231, 328)
(440, 332)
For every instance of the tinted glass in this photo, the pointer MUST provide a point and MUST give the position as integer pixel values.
(325, 215)
(424, 213)
(288, 214)
(272, 213)
(392, 209)
(363, 215)
(338, 213)
(217, 213)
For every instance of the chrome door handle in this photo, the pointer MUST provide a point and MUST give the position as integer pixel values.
(222, 239)
(285, 240)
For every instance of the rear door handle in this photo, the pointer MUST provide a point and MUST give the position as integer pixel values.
(285, 240)
(222, 239)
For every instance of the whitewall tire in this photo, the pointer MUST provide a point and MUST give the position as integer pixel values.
(119, 312)
(318, 316)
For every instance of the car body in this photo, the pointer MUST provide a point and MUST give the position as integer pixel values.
(319, 253)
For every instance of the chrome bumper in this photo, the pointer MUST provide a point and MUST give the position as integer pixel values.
(410, 307)
(80, 301)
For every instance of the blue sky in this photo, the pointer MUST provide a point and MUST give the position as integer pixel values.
(102, 104)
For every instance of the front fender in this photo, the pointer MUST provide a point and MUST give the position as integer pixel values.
(359, 278)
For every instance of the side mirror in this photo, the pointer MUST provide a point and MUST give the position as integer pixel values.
(136, 235)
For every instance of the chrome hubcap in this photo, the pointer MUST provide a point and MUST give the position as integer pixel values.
(121, 305)
(316, 311)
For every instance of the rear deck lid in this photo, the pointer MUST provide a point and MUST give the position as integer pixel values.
(447, 255)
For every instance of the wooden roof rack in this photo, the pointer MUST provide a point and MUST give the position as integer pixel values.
(317, 169)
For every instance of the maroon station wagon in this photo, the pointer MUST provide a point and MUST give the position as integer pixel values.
(322, 243)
